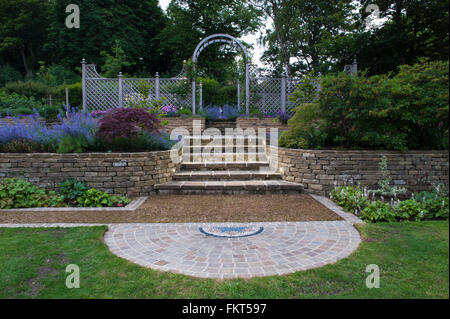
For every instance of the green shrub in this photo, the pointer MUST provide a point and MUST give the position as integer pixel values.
(425, 205)
(410, 209)
(350, 198)
(36, 89)
(18, 193)
(49, 112)
(72, 144)
(16, 105)
(377, 211)
(56, 75)
(215, 93)
(95, 198)
(71, 190)
(185, 112)
(9, 74)
(75, 94)
(304, 129)
(385, 111)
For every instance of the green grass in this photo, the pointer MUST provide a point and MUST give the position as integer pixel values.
(413, 260)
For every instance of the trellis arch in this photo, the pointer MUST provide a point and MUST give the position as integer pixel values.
(227, 39)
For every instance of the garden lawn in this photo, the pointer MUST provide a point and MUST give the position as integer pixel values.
(413, 259)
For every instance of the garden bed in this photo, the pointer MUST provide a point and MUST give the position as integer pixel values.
(133, 205)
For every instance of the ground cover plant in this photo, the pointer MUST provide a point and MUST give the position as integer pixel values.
(19, 193)
(413, 258)
(388, 203)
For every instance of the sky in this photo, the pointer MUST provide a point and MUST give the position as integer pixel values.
(251, 38)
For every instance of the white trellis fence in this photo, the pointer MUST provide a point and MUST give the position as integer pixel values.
(271, 95)
(101, 93)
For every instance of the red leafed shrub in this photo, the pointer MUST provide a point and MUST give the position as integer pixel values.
(126, 123)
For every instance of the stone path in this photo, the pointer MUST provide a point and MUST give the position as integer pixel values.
(231, 250)
(280, 248)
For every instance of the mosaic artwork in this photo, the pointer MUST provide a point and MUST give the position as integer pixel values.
(231, 232)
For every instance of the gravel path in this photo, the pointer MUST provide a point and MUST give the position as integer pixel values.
(192, 208)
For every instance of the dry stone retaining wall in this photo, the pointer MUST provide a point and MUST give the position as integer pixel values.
(116, 173)
(319, 170)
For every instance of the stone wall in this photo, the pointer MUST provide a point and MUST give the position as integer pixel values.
(318, 170)
(246, 122)
(116, 173)
(185, 122)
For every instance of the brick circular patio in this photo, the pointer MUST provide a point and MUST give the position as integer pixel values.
(280, 248)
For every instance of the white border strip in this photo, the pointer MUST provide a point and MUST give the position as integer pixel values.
(133, 205)
(328, 203)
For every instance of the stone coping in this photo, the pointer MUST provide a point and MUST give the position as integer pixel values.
(328, 203)
(133, 205)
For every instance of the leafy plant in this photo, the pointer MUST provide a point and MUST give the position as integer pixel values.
(72, 144)
(185, 112)
(377, 211)
(72, 189)
(304, 129)
(410, 209)
(18, 193)
(384, 185)
(94, 198)
(351, 198)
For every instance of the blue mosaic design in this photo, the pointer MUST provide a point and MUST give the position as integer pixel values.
(230, 232)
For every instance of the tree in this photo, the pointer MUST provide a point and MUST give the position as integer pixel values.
(414, 29)
(297, 29)
(23, 31)
(190, 21)
(135, 24)
(277, 39)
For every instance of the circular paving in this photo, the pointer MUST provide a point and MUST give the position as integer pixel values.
(232, 250)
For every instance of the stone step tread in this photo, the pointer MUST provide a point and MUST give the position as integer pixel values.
(210, 136)
(225, 172)
(238, 185)
(206, 154)
(225, 164)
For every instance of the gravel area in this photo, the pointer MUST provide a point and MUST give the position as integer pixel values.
(192, 208)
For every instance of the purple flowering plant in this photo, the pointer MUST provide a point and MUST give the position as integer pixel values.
(34, 129)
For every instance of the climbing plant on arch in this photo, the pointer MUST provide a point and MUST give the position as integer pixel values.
(226, 39)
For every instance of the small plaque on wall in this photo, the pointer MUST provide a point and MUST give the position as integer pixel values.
(120, 164)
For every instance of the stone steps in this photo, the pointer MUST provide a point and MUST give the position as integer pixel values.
(223, 140)
(221, 169)
(221, 165)
(224, 148)
(225, 176)
(221, 157)
(228, 187)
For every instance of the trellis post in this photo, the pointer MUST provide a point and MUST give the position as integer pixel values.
(193, 96)
(157, 92)
(247, 88)
(120, 90)
(83, 80)
(283, 92)
(200, 102)
(238, 94)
